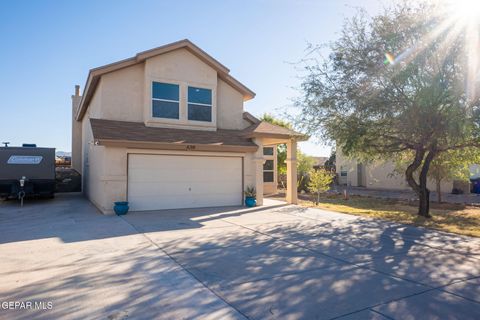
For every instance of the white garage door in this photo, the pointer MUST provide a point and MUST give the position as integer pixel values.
(169, 181)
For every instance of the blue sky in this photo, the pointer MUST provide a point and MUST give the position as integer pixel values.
(48, 46)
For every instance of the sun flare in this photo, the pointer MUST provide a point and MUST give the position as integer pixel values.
(460, 18)
(465, 9)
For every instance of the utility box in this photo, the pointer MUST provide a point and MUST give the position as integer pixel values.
(36, 166)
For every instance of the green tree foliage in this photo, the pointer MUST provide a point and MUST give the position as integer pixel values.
(319, 182)
(267, 117)
(452, 165)
(281, 148)
(304, 167)
(400, 84)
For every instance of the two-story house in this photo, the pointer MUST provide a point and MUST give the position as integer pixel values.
(167, 129)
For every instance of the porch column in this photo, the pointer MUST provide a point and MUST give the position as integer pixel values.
(291, 161)
(258, 163)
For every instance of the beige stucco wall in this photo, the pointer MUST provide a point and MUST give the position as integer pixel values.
(92, 164)
(107, 182)
(95, 107)
(122, 94)
(379, 175)
(229, 108)
(382, 175)
(350, 165)
(248, 170)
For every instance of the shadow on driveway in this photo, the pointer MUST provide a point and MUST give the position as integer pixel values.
(274, 262)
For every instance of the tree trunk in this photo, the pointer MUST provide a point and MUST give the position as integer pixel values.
(419, 154)
(424, 196)
(420, 188)
(424, 203)
(439, 190)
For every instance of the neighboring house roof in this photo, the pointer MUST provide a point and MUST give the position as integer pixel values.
(320, 161)
(95, 74)
(136, 134)
(266, 129)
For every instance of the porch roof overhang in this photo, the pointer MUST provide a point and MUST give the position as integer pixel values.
(269, 131)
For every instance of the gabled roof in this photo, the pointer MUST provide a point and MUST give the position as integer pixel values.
(95, 74)
(136, 134)
(268, 130)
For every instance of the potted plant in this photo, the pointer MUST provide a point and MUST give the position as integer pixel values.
(250, 197)
(121, 207)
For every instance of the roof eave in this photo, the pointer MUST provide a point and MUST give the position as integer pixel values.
(175, 146)
(298, 137)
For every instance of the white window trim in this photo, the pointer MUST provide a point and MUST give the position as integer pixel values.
(178, 101)
(182, 122)
(200, 104)
(268, 155)
(166, 100)
(273, 171)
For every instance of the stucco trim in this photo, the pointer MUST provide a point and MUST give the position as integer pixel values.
(174, 146)
(96, 73)
(298, 137)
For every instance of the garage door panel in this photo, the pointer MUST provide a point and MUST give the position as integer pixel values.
(151, 189)
(188, 176)
(177, 202)
(167, 181)
(176, 187)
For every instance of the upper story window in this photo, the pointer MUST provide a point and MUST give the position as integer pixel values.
(165, 100)
(268, 151)
(199, 104)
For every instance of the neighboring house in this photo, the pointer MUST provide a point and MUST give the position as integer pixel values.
(375, 175)
(319, 162)
(166, 129)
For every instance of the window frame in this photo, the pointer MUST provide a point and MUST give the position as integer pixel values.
(343, 171)
(269, 170)
(182, 122)
(269, 155)
(188, 103)
(166, 100)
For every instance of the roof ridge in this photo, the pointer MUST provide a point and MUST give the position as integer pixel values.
(95, 73)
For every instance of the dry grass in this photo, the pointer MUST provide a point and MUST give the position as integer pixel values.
(459, 219)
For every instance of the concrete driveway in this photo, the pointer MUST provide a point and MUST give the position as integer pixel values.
(274, 262)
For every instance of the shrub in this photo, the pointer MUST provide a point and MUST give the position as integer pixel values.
(250, 192)
(319, 182)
